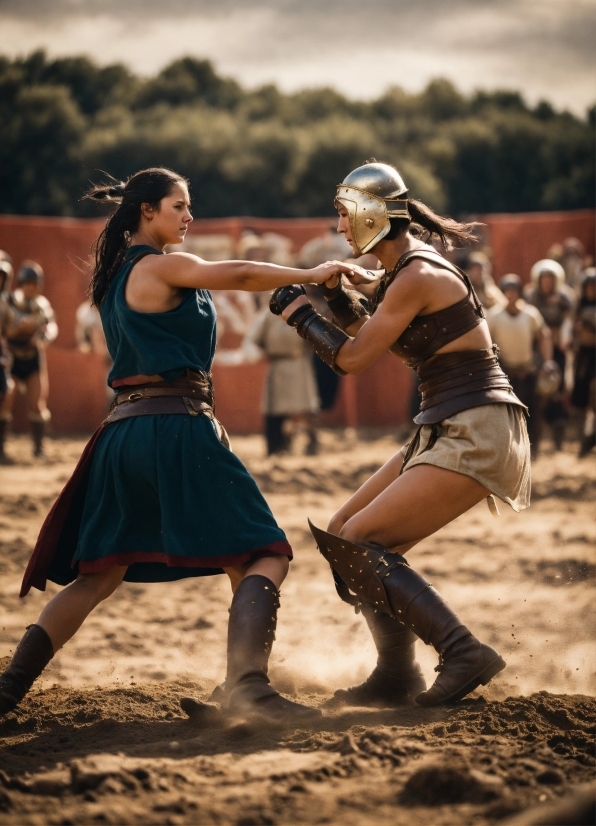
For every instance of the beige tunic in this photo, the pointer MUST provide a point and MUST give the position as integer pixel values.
(290, 386)
(490, 444)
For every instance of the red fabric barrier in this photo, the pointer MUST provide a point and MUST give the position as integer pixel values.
(380, 396)
(518, 241)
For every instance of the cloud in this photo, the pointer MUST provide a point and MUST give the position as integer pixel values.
(543, 47)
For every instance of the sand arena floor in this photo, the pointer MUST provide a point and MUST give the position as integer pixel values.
(101, 737)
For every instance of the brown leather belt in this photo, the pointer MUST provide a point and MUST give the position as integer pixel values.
(190, 396)
(452, 382)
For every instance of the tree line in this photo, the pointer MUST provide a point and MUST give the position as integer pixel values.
(264, 153)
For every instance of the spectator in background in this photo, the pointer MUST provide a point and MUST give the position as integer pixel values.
(30, 328)
(5, 380)
(477, 268)
(89, 332)
(327, 247)
(327, 380)
(519, 331)
(582, 394)
(554, 300)
(573, 255)
(290, 387)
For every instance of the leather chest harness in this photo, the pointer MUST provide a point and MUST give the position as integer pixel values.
(449, 382)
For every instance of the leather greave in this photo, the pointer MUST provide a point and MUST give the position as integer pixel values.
(251, 630)
(386, 580)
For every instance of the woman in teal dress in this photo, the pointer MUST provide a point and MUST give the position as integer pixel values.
(158, 495)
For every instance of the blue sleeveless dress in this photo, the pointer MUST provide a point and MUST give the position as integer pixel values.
(164, 496)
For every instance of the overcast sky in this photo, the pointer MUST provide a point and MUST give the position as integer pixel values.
(545, 48)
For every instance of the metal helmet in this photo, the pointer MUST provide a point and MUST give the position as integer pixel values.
(30, 273)
(372, 194)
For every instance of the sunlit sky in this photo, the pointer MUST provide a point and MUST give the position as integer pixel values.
(544, 48)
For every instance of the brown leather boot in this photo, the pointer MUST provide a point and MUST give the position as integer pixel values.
(463, 666)
(251, 631)
(396, 679)
(385, 579)
(31, 657)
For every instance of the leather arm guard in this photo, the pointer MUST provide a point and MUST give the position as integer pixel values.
(323, 336)
(283, 296)
(347, 308)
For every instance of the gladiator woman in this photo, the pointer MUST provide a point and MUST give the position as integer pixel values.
(471, 441)
(158, 495)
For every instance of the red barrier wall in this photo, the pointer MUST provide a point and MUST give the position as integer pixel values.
(380, 396)
(518, 241)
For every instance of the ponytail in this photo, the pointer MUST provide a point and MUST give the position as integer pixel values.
(423, 220)
(149, 186)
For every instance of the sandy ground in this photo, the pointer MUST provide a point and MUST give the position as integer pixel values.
(101, 738)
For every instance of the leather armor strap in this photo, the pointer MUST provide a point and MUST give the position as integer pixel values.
(189, 396)
(324, 337)
(346, 306)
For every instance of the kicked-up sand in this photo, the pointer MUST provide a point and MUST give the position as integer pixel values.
(102, 739)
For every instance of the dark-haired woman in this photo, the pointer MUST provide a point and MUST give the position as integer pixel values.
(158, 495)
(471, 442)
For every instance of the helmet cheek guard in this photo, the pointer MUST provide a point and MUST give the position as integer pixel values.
(368, 217)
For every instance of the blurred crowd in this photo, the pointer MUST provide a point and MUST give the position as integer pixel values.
(545, 330)
(546, 335)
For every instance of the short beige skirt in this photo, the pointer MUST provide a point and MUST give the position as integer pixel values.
(489, 443)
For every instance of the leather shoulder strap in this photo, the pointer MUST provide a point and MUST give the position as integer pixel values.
(437, 260)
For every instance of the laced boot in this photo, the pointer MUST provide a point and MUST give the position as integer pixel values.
(464, 662)
(397, 678)
(31, 657)
(251, 631)
(463, 666)
(37, 434)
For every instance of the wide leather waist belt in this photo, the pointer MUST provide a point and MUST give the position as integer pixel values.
(452, 382)
(191, 396)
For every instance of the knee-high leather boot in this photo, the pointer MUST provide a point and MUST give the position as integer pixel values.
(31, 657)
(251, 631)
(386, 580)
(397, 678)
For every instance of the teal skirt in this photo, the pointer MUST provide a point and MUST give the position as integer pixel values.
(166, 498)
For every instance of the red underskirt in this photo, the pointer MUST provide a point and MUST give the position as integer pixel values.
(125, 559)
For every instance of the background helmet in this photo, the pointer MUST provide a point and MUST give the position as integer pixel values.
(372, 194)
(511, 282)
(5, 275)
(30, 273)
(548, 265)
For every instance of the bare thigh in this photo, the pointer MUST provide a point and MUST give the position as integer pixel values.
(368, 492)
(413, 506)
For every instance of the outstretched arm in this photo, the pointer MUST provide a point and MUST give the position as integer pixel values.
(182, 270)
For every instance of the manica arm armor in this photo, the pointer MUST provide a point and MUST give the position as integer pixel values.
(324, 337)
(347, 308)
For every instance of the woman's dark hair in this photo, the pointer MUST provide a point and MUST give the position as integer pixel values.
(149, 186)
(424, 221)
